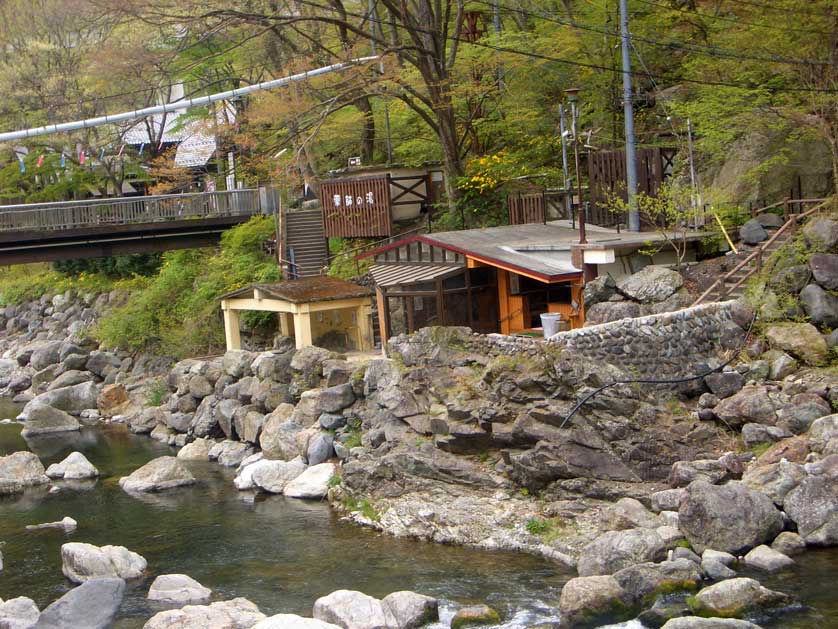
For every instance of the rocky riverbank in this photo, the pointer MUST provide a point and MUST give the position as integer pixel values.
(656, 494)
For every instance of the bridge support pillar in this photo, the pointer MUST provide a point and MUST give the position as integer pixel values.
(232, 331)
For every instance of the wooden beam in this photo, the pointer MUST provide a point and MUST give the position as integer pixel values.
(383, 315)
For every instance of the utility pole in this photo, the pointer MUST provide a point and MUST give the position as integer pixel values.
(373, 17)
(568, 196)
(573, 98)
(497, 27)
(628, 110)
(694, 195)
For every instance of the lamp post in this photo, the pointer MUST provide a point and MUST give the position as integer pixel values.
(573, 99)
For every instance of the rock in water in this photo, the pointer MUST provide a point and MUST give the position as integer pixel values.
(731, 517)
(351, 610)
(178, 589)
(313, 483)
(19, 470)
(615, 550)
(19, 613)
(42, 420)
(475, 616)
(274, 476)
(735, 598)
(238, 613)
(694, 622)
(198, 450)
(92, 605)
(588, 599)
(768, 559)
(159, 474)
(408, 610)
(813, 504)
(74, 467)
(83, 562)
(67, 523)
(290, 621)
(73, 399)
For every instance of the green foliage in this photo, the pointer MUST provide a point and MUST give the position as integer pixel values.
(144, 264)
(335, 480)
(177, 311)
(364, 507)
(345, 264)
(548, 529)
(156, 392)
(31, 281)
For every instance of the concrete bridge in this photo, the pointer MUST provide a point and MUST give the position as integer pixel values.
(105, 227)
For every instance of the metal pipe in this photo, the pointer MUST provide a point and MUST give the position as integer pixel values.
(568, 199)
(181, 104)
(581, 212)
(628, 110)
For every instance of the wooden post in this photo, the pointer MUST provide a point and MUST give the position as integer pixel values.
(232, 333)
(440, 304)
(383, 315)
(786, 209)
(362, 313)
(302, 329)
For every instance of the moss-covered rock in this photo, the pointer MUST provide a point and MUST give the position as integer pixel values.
(475, 616)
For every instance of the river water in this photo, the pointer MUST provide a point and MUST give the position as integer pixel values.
(280, 553)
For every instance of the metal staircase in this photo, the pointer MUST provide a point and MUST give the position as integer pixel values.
(733, 284)
(306, 248)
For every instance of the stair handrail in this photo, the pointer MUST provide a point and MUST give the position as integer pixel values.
(757, 253)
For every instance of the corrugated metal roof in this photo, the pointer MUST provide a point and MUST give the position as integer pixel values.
(386, 275)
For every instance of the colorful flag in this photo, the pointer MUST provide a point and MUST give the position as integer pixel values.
(40, 160)
(82, 158)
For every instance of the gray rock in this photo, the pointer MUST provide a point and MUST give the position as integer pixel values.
(320, 449)
(766, 558)
(313, 483)
(147, 420)
(587, 600)
(69, 378)
(668, 499)
(474, 616)
(205, 421)
(197, 450)
(791, 279)
(628, 513)
(177, 589)
(753, 434)
(799, 339)
(750, 405)
(652, 284)
(409, 610)
(335, 399)
(823, 435)
(615, 550)
(292, 621)
(200, 387)
(92, 605)
(683, 473)
(718, 555)
(74, 467)
(685, 553)
(724, 384)
(101, 363)
(236, 363)
(76, 362)
(337, 372)
(775, 480)
(736, 598)
(279, 435)
(696, 622)
(789, 543)
(329, 421)
(644, 581)
(780, 365)
(224, 412)
(769, 220)
(820, 306)
(230, 453)
(716, 570)
(711, 517)
(350, 609)
(606, 311)
(599, 290)
(19, 613)
(752, 232)
(73, 399)
(238, 613)
(273, 476)
(759, 370)
(20, 470)
(274, 366)
(825, 269)
(308, 361)
(802, 411)
(43, 419)
(159, 474)
(249, 425)
(822, 233)
(813, 504)
(45, 355)
(179, 422)
(83, 562)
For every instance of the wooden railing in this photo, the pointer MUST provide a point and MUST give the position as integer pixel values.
(127, 210)
(755, 260)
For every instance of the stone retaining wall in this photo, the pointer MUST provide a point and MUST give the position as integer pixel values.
(671, 344)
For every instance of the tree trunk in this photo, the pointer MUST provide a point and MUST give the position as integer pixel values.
(368, 134)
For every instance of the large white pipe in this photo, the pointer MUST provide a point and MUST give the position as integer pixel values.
(179, 105)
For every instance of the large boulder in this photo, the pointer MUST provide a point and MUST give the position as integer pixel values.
(279, 434)
(585, 601)
(205, 421)
(731, 517)
(350, 609)
(19, 470)
(822, 233)
(177, 589)
(697, 622)
(752, 232)
(292, 621)
(74, 467)
(19, 613)
(737, 597)
(69, 378)
(92, 605)
(159, 474)
(230, 453)
(273, 476)
(766, 558)
(652, 284)
(42, 419)
(313, 483)
(599, 290)
(83, 562)
(825, 269)
(74, 399)
(799, 339)
(813, 504)
(606, 311)
(615, 550)
(823, 435)
(103, 363)
(335, 399)
(409, 610)
(45, 355)
(820, 306)
(236, 363)
(197, 450)
(775, 480)
(644, 581)
(750, 405)
(724, 384)
(803, 409)
(238, 613)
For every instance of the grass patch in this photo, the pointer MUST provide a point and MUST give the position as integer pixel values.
(363, 506)
(335, 480)
(156, 393)
(548, 529)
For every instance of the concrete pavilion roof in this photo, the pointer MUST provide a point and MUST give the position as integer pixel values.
(305, 290)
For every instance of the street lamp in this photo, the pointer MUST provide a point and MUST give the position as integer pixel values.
(573, 98)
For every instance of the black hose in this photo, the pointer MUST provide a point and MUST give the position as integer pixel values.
(663, 381)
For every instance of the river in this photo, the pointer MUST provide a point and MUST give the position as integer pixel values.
(280, 553)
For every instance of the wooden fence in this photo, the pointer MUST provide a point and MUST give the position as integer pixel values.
(128, 210)
(357, 208)
(526, 207)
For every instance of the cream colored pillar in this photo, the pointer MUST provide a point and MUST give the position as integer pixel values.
(364, 329)
(286, 325)
(232, 332)
(302, 329)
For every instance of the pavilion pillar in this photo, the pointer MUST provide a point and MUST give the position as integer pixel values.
(286, 324)
(365, 341)
(232, 331)
(383, 315)
(302, 329)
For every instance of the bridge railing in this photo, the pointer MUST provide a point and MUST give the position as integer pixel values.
(126, 210)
